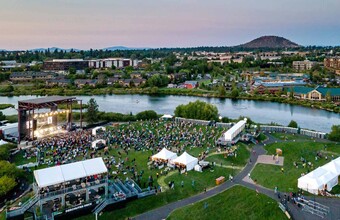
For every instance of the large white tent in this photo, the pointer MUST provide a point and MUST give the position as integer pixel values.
(167, 116)
(59, 174)
(186, 160)
(164, 154)
(2, 142)
(94, 130)
(325, 177)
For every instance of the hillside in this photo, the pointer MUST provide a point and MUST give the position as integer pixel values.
(270, 42)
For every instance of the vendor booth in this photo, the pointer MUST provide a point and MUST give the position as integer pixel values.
(98, 144)
(2, 142)
(96, 129)
(186, 160)
(164, 154)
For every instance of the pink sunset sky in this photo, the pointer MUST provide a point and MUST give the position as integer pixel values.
(84, 24)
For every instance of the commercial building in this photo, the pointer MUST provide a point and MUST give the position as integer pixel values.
(30, 76)
(318, 93)
(303, 65)
(110, 62)
(333, 63)
(64, 65)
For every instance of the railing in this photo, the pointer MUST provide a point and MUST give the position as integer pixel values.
(72, 189)
(146, 193)
(23, 208)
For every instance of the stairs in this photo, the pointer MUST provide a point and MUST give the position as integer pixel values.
(23, 208)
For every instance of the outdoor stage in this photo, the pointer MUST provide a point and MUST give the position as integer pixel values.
(41, 117)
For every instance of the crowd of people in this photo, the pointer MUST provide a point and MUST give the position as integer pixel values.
(146, 136)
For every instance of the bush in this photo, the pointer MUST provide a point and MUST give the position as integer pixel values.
(335, 133)
(293, 124)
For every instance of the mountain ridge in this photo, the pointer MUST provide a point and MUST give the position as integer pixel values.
(270, 42)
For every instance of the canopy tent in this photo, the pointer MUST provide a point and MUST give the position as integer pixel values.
(94, 130)
(186, 160)
(167, 117)
(164, 154)
(94, 143)
(59, 174)
(2, 142)
(333, 166)
(318, 179)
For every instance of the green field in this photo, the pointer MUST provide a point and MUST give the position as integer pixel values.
(235, 203)
(291, 137)
(270, 175)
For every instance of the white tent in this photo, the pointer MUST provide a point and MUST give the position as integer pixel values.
(186, 160)
(59, 174)
(2, 142)
(167, 117)
(318, 179)
(164, 154)
(94, 143)
(94, 130)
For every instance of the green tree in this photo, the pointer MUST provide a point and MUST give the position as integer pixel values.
(334, 135)
(222, 91)
(147, 115)
(6, 184)
(197, 110)
(234, 93)
(293, 124)
(72, 70)
(92, 111)
(328, 96)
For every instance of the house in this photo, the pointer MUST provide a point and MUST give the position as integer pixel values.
(113, 80)
(133, 82)
(191, 84)
(171, 86)
(135, 75)
(58, 82)
(80, 83)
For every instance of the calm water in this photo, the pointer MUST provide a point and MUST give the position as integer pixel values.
(264, 112)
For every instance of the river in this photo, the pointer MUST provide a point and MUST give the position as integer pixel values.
(259, 111)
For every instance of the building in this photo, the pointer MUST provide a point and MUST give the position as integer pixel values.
(191, 84)
(318, 93)
(303, 65)
(333, 63)
(133, 82)
(80, 83)
(58, 82)
(64, 65)
(232, 135)
(112, 62)
(30, 76)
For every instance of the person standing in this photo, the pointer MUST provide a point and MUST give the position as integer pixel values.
(182, 183)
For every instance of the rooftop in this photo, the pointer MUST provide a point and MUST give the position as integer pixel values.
(47, 99)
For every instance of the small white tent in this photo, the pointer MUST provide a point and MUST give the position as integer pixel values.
(2, 142)
(186, 160)
(94, 143)
(164, 154)
(167, 117)
(94, 130)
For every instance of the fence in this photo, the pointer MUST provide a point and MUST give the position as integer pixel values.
(308, 133)
(203, 122)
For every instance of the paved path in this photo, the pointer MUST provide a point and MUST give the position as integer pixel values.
(267, 159)
(243, 179)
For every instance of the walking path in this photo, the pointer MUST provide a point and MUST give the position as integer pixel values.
(243, 179)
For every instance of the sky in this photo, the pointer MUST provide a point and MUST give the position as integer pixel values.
(85, 24)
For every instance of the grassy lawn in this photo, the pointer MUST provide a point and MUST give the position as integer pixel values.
(243, 152)
(202, 180)
(291, 137)
(19, 159)
(270, 175)
(235, 203)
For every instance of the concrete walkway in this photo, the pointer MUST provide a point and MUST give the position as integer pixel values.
(243, 179)
(267, 159)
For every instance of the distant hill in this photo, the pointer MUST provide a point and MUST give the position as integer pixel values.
(52, 49)
(270, 42)
(124, 48)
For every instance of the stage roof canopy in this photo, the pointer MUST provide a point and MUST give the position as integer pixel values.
(72, 171)
(45, 102)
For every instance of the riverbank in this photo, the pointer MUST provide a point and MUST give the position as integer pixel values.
(331, 107)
